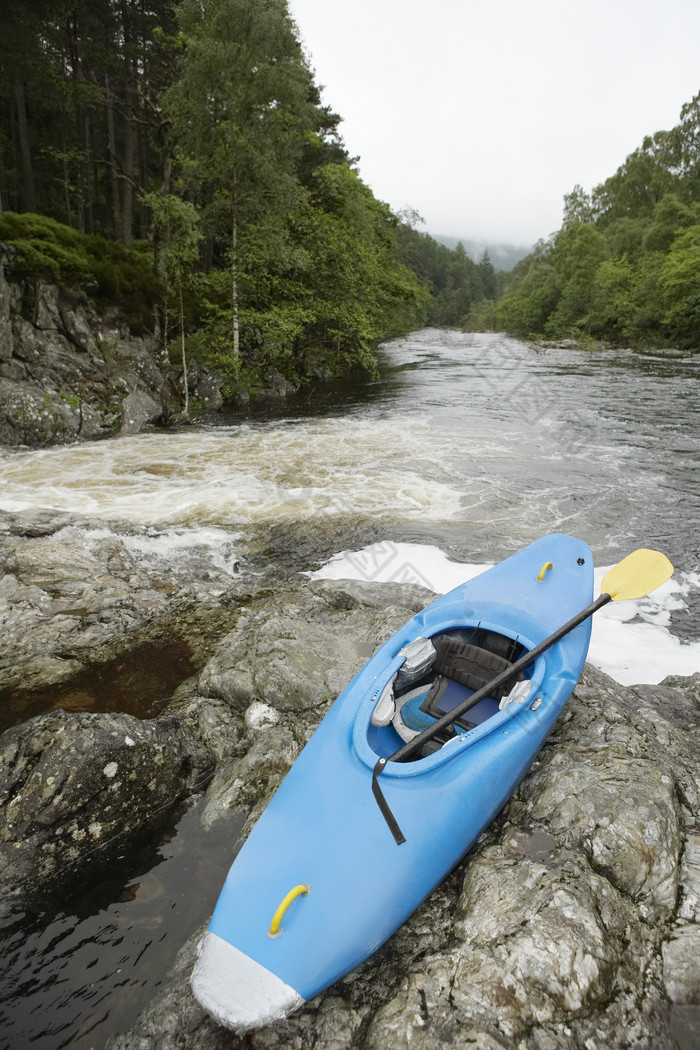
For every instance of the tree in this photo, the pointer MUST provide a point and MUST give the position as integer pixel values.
(578, 251)
(613, 311)
(80, 132)
(176, 236)
(531, 296)
(487, 273)
(240, 111)
(640, 183)
(351, 289)
(670, 215)
(687, 134)
(679, 281)
(578, 206)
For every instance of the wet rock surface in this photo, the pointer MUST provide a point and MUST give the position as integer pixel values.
(70, 373)
(74, 788)
(76, 592)
(67, 373)
(573, 922)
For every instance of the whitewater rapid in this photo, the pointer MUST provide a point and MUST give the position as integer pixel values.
(469, 447)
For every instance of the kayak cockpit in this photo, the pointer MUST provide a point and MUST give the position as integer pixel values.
(437, 674)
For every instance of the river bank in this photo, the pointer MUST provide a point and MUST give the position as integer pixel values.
(70, 373)
(573, 923)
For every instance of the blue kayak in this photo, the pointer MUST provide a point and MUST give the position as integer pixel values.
(321, 882)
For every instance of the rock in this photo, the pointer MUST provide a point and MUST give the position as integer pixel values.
(74, 591)
(77, 789)
(206, 385)
(7, 297)
(137, 410)
(79, 329)
(276, 385)
(681, 968)
(572, 923)
(64, 370)
(299, 659)
(29, 415)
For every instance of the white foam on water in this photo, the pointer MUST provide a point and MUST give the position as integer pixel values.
(165, 550)
(389, 562)
(241, 475)
(216, 545)
(630, 640)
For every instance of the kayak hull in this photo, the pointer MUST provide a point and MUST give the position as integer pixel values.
(324, 830)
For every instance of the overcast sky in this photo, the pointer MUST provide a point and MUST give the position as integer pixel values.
(482, 114)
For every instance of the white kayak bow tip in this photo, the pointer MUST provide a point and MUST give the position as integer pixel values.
(236, 990)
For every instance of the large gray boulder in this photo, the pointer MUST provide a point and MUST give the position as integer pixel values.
(76, 789)
(297, 653)
(75, 591)
(572, 924)
(137, 409)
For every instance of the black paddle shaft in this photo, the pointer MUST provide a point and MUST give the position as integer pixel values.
(447, 720)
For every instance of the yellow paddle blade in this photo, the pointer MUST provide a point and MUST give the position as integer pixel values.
(639, 573)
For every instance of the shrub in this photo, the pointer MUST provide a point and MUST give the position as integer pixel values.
(111, 273)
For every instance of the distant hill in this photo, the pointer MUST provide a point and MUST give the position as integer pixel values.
(502, 256)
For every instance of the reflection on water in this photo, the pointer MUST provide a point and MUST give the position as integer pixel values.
(141, 682)
(74, 978)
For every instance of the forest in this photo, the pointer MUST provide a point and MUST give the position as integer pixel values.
(176, 159)
(625, 265)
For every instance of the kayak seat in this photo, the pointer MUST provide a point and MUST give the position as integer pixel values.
(471, 667)
(461, 669)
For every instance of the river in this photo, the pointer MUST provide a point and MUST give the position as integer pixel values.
(467, 445)
(465, 448)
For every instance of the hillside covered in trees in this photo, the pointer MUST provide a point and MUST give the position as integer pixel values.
(176, 159)
(625, 266)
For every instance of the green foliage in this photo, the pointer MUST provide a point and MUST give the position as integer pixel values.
(80, 127)
(669, 216)
(306, 259)
(452, 282)
(679, 281)
(613, 312)
(579, 249)
(109, 271)
(331, 290)
(360, 291)
(529, 300)
(264, 243)
(626, 264)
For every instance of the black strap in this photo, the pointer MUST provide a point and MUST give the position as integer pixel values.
(384, 805)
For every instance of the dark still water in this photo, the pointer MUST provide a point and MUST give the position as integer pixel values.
(74, 977)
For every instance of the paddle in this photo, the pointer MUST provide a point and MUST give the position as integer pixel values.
(636, 575)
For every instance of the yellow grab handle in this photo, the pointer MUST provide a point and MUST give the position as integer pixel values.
(301, 890)
(540, 574)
